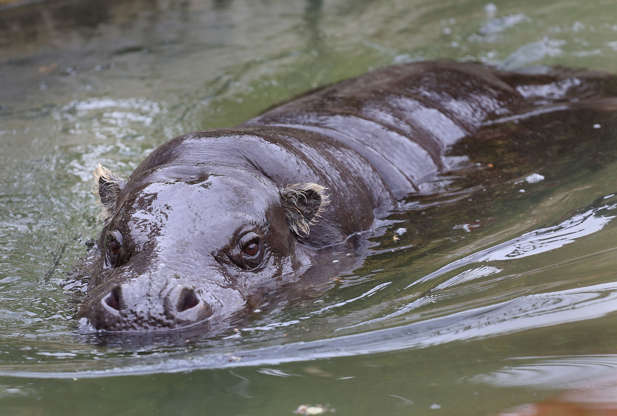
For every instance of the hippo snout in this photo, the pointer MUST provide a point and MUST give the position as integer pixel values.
(129, 307)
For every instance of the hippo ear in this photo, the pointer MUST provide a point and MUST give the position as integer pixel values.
(109, 186)
(303, 203)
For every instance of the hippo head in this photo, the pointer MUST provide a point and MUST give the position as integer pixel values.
(179, 250)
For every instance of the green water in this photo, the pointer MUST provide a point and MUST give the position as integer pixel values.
(513, 311)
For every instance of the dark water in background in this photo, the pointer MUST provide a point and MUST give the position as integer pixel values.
(512, 302)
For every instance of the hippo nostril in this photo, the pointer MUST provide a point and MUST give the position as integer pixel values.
(114, 298)
(184, 306)
(187, 300)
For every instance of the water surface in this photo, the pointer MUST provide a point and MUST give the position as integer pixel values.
(510, 300)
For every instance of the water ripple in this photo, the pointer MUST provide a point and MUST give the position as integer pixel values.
(571, 372)
(534, 242)
(523, 313)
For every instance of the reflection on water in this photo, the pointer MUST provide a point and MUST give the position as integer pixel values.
(590, 382)
(468, 275)
(117, 125)
(531, 276)
(534, 242)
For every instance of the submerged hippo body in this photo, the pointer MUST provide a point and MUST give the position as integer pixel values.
(213, 223)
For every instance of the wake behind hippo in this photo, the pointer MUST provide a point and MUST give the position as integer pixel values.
(211, 225)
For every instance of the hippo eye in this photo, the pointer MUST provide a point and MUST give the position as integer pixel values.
(251, 248)
(115, 252)
(249, 252)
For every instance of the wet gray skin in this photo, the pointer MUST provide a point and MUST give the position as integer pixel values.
(173, 264)
(213, 225)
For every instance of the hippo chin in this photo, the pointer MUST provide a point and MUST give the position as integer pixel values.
(214, 224)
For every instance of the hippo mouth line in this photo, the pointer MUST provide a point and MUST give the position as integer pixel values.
(163, 326)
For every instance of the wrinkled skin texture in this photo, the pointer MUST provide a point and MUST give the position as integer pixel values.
(212, 225)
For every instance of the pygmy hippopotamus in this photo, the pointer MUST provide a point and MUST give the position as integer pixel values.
(212, 224)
